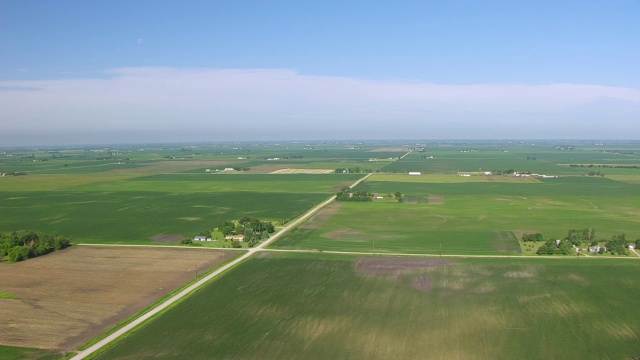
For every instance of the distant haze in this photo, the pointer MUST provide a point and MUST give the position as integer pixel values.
(178, 104)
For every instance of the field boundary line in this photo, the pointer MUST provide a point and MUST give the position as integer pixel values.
(198, 284)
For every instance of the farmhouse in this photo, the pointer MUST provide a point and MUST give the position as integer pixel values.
(238, 237)
(228, 169)
(415, 173)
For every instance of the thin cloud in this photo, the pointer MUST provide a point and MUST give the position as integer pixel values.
(264, 102)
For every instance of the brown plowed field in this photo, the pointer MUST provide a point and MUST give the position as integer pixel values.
(68, 297)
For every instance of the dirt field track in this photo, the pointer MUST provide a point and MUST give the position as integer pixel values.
(67, 298)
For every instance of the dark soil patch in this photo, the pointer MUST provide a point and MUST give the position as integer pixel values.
(393, 266)
(167, 239)
(341, 234)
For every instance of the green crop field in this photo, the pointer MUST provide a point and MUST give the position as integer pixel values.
(329, 307)
(467, 216)
(129, 195)
(542, 159)
(319, 305)
(263, 183)
(17, 353)
(400, 228)
(134, 217)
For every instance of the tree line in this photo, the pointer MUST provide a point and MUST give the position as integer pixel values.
(23, 245)
(353, 170)
(617, 244)
(346, 194)
(253, 230)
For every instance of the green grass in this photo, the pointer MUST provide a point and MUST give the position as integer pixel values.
(318, 308)
(18, 353)
(4, 295)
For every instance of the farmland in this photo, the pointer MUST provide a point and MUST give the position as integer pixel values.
(62, 300)
(318, 307)
(18, 353)
(131, 195)
(297, 298)
(135, 209)
(476, 215)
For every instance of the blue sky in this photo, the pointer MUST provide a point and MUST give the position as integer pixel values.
(104, 71)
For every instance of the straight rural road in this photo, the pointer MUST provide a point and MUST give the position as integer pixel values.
(100, 344)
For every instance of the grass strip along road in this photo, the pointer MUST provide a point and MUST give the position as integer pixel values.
(102, 343)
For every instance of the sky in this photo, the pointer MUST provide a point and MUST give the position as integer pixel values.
(84, 72)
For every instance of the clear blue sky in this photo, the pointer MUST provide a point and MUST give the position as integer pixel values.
(369, 51)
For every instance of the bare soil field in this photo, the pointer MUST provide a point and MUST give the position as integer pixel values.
(317, 220)
(435, 199)
(68, 297)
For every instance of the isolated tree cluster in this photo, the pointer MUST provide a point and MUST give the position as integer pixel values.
(346, 194)
(353, 170)
(22, 245)
(253, 230)
(618, 244)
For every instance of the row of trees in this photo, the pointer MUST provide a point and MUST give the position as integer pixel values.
(553, 247)
(353, 170)
(22, 245)
(532, 237)
(606, 166)
(246, 223)
(618, 244)
(347, 195)
(253, 229)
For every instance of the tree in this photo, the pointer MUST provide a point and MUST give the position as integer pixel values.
(618, 244)
(226, 227)
(532, 237)
(22, 245)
